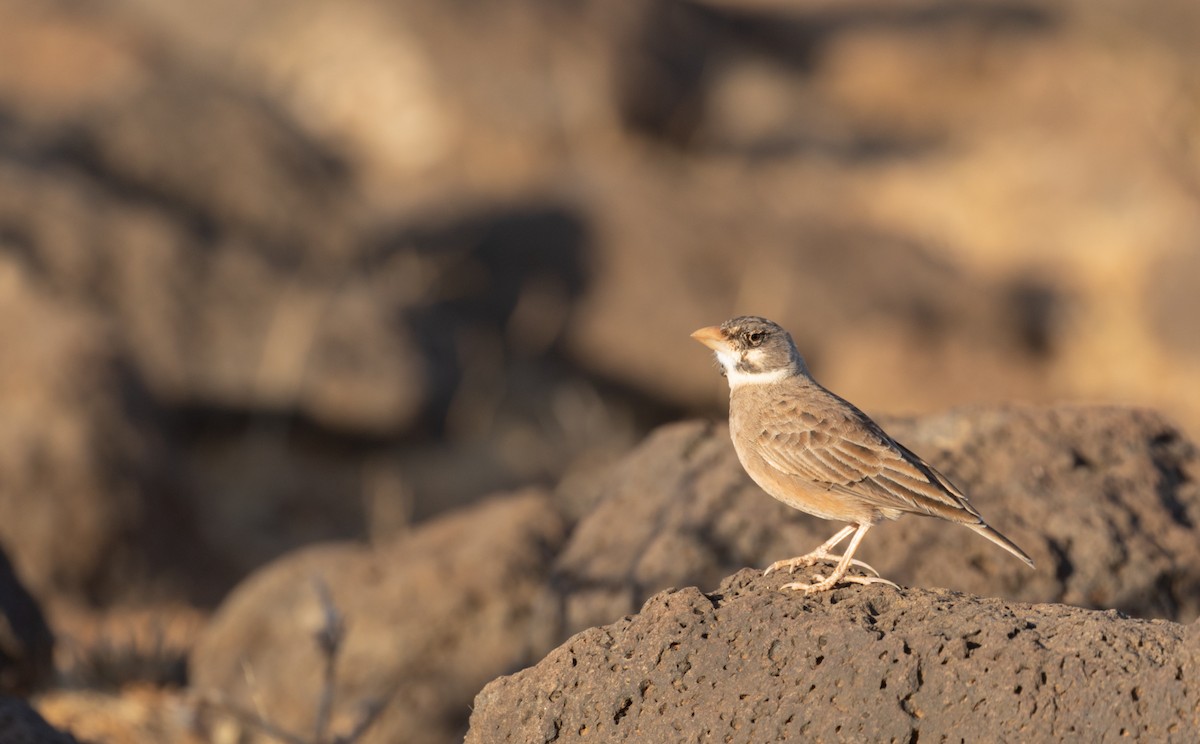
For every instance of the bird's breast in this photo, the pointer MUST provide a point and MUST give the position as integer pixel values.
(750, 428)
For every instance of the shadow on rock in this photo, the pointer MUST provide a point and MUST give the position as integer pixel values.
(498, 284)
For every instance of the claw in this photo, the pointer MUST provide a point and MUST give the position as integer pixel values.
(838, 574)
(860, 564)
(791, 564)
(819, 584)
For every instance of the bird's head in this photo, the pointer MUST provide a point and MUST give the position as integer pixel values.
(752, 350)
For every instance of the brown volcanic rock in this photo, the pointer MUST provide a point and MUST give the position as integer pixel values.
(74, 455)
(1110, 496)
(1106, 500)
(749, 663)
(429, 619)
(225, 253)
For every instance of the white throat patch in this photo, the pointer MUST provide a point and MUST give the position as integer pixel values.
(738, 378)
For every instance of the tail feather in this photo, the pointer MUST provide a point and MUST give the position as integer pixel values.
(1002, 541)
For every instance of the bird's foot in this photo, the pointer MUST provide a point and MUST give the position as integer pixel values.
(791, 564)
(822, 584)
(865, 566)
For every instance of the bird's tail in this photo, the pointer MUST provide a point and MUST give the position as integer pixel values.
(1002, 541)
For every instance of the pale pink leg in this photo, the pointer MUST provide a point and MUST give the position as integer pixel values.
(818, 555)
(839, 573)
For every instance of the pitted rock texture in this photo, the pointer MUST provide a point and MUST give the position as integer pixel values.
(1105, 500)
(749, 663)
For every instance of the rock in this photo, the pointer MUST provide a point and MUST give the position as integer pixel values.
(429, 618)
(26, 642)
(192, 274)
(124, 646)
(290, 313)
(944, 334)
(131, 716)
(1105, 500)
(21, 724)
(122, 673)
(1109, 496)
(226, 254)
(748, 663)
(73, 455)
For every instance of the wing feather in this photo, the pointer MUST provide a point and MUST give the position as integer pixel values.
(842, 449)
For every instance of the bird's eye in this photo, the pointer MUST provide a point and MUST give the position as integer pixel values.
(754, 338)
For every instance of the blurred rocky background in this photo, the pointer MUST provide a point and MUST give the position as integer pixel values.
(282, 273)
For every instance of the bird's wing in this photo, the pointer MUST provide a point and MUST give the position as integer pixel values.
(838, 446)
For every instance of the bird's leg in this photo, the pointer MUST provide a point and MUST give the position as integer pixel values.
(820, 554)
(839, 573)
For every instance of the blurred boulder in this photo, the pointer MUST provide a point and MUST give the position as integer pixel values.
(73, 458)
(219, 238)
(428, 619)
(750, 79)
(284, 319)
(1171, 297)
(943, 334)
(420, 234)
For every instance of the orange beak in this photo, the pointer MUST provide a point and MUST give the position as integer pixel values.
(712, 337)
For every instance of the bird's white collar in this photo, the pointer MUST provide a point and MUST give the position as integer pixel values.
(737, 378)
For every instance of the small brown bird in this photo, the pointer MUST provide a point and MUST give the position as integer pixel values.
(818, 453)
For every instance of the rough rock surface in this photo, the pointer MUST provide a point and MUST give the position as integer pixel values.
(429, 619)
(749, 663)
(1105, 500)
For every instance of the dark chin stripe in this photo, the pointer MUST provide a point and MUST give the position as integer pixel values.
(747, 368)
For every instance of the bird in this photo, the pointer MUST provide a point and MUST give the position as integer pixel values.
(818, 453)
